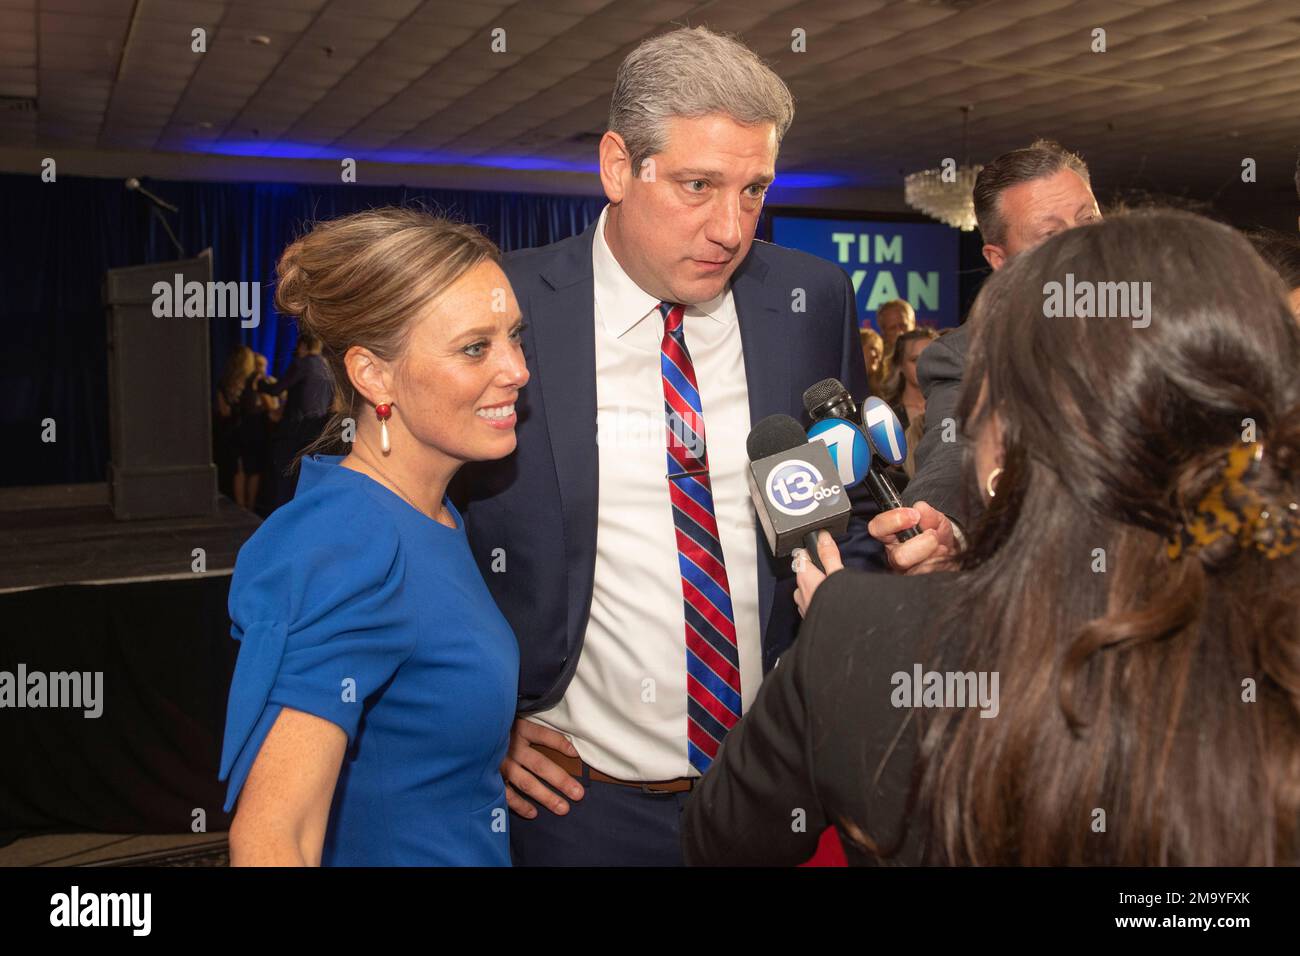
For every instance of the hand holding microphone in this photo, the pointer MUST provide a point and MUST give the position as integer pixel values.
(811, 573)
(798, 493)
(931, 550)
(859, 452)
(917, 539)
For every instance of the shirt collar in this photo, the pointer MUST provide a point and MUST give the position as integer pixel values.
(621, 303)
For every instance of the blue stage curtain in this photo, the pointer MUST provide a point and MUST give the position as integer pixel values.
(57, 239)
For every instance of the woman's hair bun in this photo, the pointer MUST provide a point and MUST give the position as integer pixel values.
(291, 296)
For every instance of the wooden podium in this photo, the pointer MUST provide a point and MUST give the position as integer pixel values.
(159, 396)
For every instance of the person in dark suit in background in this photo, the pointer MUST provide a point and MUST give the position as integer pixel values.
(308, 390)
(1030, 709)
(1021, 199)
(620, 541)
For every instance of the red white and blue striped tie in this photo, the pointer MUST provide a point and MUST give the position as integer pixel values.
(712, 659)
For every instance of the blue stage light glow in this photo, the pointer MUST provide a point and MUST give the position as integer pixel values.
(280, 149)
(269, 150)
(287, 150)
(808, 180)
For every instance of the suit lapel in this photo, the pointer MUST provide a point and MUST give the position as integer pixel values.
(764, 337)
(563, 326)
(565, 353)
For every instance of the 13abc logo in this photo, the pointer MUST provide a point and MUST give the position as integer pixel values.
(796, 487)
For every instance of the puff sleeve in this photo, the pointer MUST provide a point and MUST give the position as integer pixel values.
(316, 604)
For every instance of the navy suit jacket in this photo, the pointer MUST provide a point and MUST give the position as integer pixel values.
(531, 517)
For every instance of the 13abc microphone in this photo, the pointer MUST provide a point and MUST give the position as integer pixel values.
(799, 482)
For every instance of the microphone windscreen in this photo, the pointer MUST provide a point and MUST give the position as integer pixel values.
(884, 431)
(821, 393)
(133, 183)
(773, 435)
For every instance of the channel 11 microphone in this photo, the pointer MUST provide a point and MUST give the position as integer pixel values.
(795, 487)
(857, 452)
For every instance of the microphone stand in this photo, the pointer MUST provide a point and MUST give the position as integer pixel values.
(155, 211)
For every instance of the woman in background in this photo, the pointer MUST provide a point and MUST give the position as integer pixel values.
(240, 364)
(873, 353)
(253, 436)
(902, 390)
(269, 402)
(375, 688)
(1118, 662)
(893, 318)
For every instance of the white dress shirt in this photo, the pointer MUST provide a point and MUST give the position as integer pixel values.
(625, 709)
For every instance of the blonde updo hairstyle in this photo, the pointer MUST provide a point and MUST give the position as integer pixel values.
(362, 280)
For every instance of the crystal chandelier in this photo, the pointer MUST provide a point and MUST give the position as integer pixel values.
(946, 195)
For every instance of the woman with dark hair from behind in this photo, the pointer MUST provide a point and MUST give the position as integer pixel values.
(1113, 676)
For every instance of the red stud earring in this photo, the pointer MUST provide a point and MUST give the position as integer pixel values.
(383, 413)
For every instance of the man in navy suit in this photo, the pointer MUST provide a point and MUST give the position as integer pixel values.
(619, 540)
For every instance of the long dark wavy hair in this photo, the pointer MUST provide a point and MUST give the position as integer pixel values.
(1164, 692)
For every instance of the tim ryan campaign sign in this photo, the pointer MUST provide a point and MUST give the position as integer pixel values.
(916, 261)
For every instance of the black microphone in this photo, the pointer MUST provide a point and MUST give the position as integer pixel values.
(155, 209)
(795, 487)
(830, 399)
(133, 185)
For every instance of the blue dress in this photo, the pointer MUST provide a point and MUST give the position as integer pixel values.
(352, 605)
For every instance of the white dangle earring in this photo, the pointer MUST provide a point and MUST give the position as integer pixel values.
(383, 413)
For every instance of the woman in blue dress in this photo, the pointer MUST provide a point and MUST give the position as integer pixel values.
(376, 683)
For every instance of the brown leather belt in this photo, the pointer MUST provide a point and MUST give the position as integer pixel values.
(573, 767)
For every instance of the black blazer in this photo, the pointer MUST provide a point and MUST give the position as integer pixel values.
(807, 753)
(938, 480)
(531, 517)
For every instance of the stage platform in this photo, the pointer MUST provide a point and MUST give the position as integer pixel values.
(54, 535)
(120, 603)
